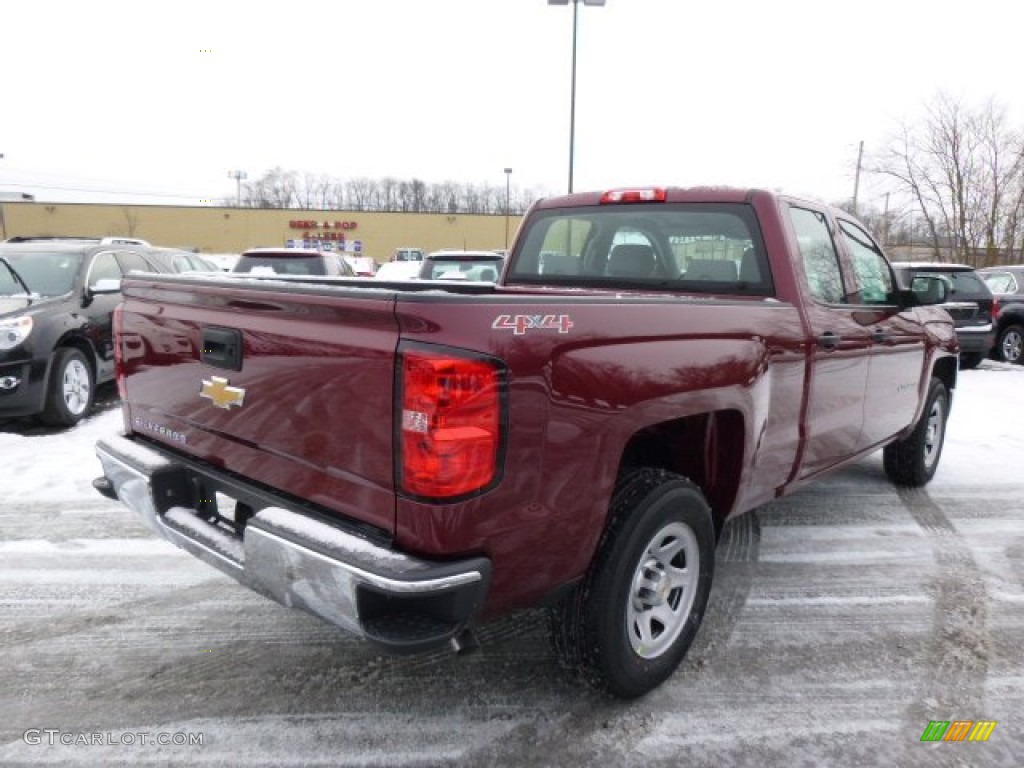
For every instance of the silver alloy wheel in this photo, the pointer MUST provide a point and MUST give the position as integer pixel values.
(934, 432)
(663, 590)
(76, 387)
(1012, 346)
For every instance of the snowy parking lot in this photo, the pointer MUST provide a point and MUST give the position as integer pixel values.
(844, 619)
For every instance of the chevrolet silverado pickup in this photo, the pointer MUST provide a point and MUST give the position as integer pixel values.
(408, 460)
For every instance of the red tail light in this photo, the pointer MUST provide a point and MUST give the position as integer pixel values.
(995, 307)
(451, 423)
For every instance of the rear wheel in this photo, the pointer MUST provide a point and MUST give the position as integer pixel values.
(1010, 344)
(629, 625)
(913, 460)
(70, 392)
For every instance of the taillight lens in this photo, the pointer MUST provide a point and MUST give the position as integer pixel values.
(451, 423)
(995, 307)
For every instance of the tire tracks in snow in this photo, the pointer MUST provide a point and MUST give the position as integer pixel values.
(738, 550)
(958, 649)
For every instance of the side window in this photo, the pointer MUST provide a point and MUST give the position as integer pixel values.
(104, 267)
(871, 272)
(130, 260)
(554, 248)
(818, 252)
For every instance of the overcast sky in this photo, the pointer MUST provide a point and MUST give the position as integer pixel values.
(162, 99)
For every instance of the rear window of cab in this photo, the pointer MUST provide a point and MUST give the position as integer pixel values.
(692, 247)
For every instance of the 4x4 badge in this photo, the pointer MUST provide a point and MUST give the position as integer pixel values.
(221, 394)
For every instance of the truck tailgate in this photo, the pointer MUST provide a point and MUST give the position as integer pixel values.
(291, 388)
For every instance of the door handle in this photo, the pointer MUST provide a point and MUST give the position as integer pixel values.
(881, 336)
(829, 340)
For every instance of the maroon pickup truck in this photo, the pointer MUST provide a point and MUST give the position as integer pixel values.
(409, 460)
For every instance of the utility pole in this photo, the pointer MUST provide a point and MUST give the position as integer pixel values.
(508, 188)
(856, 178)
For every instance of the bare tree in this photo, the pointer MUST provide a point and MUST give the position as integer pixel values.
(278, 188)
(131, 218)
(1002, 169)
(963, 171)
(315, 191)
(360, 194)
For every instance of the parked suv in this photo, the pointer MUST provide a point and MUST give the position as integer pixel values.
(1007, 286)
(57, 296)
(462, 265)
(970, 305)
(293, 261)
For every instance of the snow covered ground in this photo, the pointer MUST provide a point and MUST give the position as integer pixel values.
(843, 619)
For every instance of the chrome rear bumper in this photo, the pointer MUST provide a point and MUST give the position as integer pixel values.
(401, 603)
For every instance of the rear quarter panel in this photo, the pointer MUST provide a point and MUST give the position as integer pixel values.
(576, 396)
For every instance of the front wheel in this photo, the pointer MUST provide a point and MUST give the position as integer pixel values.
(913, 460)
(629, 625)
(70, 392)
(1010, 344)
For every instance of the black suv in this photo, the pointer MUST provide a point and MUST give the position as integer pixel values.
(1007, 286)
(57, 297)
(969, 304)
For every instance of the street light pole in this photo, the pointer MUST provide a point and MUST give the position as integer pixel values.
(572, 97)
(508, 189)
(238, 176)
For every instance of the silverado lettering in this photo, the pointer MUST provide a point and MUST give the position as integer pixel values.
(413, 460)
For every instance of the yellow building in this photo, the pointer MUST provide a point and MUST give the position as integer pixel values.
(233, 230)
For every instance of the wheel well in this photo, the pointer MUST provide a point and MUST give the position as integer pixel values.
(83, 346)
(946, 371)
(706, 448)
(1005, 319)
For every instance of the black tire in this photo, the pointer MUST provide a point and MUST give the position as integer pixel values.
(71, 389)
(969, 362)
(627, 627)
(1010, 344)
(913, 460)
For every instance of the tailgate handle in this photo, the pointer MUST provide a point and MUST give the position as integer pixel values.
(222, 348)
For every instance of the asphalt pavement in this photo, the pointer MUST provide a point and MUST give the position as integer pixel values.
(843, 621)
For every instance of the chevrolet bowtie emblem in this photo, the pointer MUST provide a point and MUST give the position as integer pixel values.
(221, 394)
